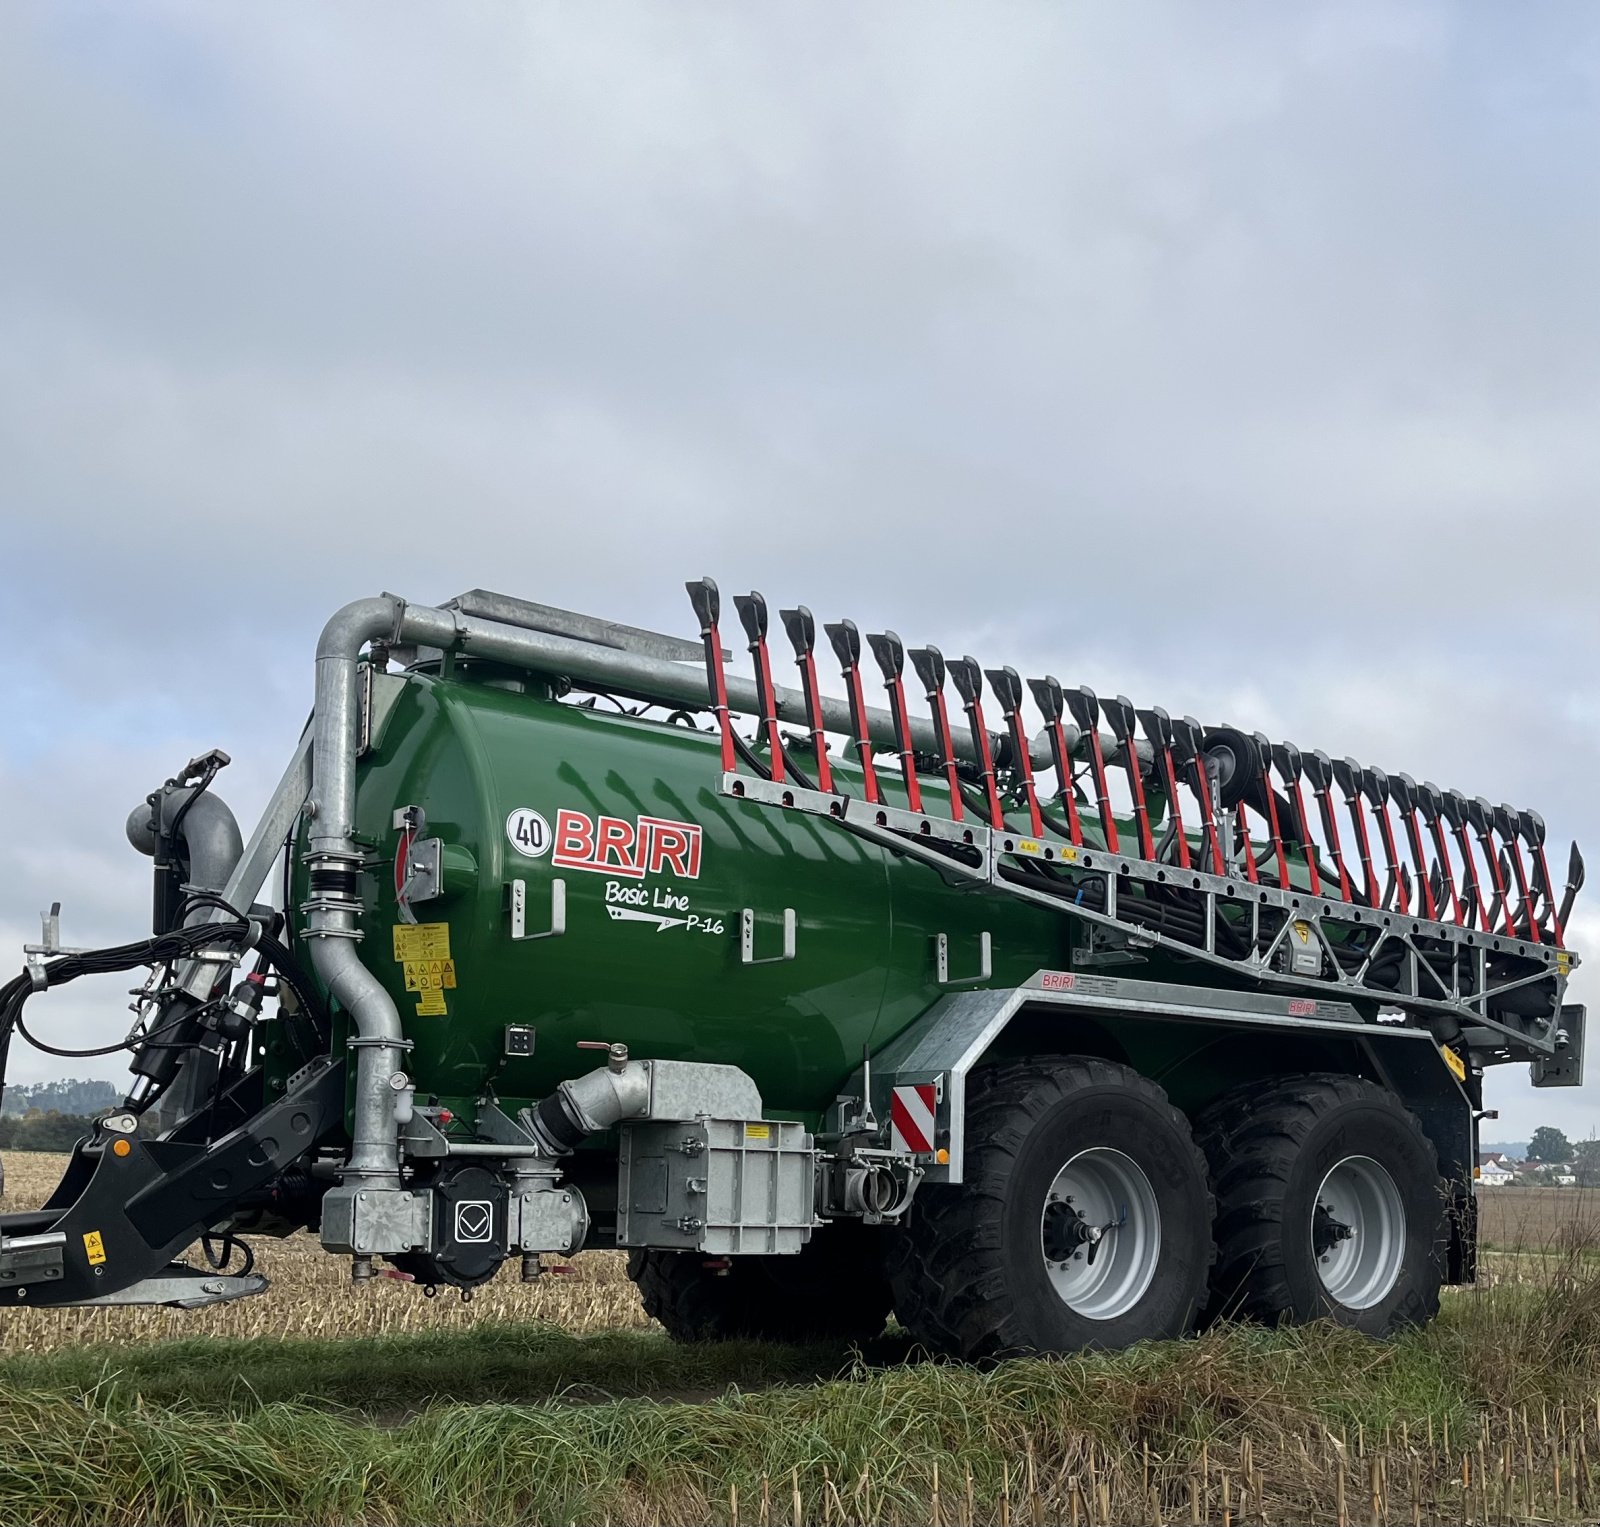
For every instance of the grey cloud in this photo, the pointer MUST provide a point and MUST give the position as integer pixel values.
(1243, 358)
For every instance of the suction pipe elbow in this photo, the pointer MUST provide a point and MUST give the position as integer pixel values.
(590, 1103)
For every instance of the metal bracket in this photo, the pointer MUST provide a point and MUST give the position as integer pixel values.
(747, 938)
(941, 958)
(1565, 1067)
(424, 871)
(182, 1288)
(50, 930)
(49, 946)
(421, 1137)
(378, 695)
(519, 911)
(32, 1258)
(1104, 948)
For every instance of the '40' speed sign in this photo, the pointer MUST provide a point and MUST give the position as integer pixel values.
(529, 832)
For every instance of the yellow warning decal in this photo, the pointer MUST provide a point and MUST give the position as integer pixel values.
(1028, 846)
(421, 941)
(431, 1004)
(1458, 1067)
(423, 950)
(430, 975)
(1563, 961)
(1069, 855)
(758, 1131)
(1302, 931)
(94, 1248)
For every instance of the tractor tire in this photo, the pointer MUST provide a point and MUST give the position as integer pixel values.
(1084, 1220)
(833, 1290)
(1329, 1206)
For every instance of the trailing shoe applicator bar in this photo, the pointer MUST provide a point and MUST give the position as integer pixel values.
(1226, 774)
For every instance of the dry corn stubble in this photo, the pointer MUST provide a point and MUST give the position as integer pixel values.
(312, 1295)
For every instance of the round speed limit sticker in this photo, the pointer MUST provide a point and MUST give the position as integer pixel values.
(529, 832)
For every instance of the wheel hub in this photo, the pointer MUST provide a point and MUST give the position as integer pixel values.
(1100, 1233)
(1358, 1232)
(1326, 1231)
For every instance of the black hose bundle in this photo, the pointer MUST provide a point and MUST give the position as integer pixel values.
(1167, 910)
(177, 944)
(1176, 913)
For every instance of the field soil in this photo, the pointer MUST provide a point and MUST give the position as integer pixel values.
(560, 1402)
(1537, 1218)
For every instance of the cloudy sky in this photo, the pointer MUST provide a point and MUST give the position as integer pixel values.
(1244, 358)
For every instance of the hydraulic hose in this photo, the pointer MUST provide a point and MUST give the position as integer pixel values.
(180, 943)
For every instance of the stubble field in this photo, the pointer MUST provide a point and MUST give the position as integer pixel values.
(312, 1296)
(1538, 1218)
(559, 1402)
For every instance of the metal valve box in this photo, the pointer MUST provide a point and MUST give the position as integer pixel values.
(727, 1187)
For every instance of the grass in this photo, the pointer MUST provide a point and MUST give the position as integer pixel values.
(386, 1376)
(121, 1436)
(1489, 1414)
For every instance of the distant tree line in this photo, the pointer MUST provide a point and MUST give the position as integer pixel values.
(52, 1116)
(1550, 1146)
(1557, 1154)
(65, 1096)
(40, 1131)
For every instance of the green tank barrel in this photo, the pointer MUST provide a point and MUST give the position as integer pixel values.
(659, 869)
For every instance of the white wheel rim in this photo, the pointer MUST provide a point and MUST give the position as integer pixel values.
(1100, 1234)
(1358, 1233)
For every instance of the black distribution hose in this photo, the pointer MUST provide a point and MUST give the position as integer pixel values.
(1178, 913)
(176, 944)
(801, 778)
(48, 1049)
(218, 1252)
(292, 976)
(750, 756)
(976, 805)
(747, 753)
(1054, 823)
(1172, 910)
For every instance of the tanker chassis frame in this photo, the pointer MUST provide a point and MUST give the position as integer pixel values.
(1278, 1118)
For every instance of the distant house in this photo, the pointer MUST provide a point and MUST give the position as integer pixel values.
(1541, 1174)
(1549, 1176)
(1494, 1171)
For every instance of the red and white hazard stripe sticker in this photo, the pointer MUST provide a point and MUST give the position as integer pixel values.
(912, 1111)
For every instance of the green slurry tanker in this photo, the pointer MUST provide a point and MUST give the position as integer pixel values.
(1039, 1029)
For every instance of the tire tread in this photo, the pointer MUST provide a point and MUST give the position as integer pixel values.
(1251, 1136)
(946, 1264)
(845, 1300)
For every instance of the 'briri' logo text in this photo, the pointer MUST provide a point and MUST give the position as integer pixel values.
(615, 846)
